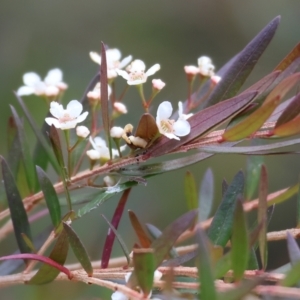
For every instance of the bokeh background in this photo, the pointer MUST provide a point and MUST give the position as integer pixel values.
(40, 35)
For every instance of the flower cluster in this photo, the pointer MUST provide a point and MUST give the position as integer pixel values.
(205, 67)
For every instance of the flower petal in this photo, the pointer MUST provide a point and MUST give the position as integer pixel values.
(53, 77)
(118, 296)
(113, 55)
(74, 108)
(153, 70)
(99, 142)
(125, 61)
(31, 79)
(68, 124)
(137, 81)
(82, 117)
(164, 110)
(123, 73)
(52, 121)
(25, 90)
(95, 57)
(56, 109)
(93, 154)
(181, 127)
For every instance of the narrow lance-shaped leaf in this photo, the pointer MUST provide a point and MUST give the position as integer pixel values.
(139, 230)
(293, 249)
(294, 54)
(110, 238)
(17, 210)
(119, 239)
(221, 226)
(298, 206)
(104, 97)
(239, 68)
(29, 169)
(78, 249)
(206, 195)
(203, 121)
(190, 191)
(288, 129)
(50, 196)
(292, 276)
(207, 288)
(48, 273)
(262, 216)
(239, 242)
(144, 267)
(256, 119)
(165, 242)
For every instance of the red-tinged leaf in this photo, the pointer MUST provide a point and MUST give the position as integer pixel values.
(104, 97)
(144, 267)
(291, 111)
(206, 195)
(239, 68)
(69, 216)
(288, 129)
(78, 249)
(190, 191)
(203, 121)
(293, 249)
(239, 242)
(147, 128)
(29, 243)
(50, 196)
(16, 207)
(290, 192)
(167, 239)
(207, 288)
(58, 255)
(30, 175)
(56, 146)
(279, 110)
(298, 206)
(262, 216)
(42, 148)
(256, 119)
(120, 240)
(40, 258)
(221, 226)
(110, 238)
(139, 230)
(294, 54)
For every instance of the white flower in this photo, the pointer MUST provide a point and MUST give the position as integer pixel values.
(116, 132)
(136, 72)
(206, 68)
(120, 296)
(180, 112)
(120, 108)
(113, 57)
(82, 131)
(191, 70)
(170, 128)
(50, 87)
(66, 118)
(95, 94)
(100, 150)
(158, 84)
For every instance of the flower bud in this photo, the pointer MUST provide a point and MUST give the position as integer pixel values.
(116, 132)
(82, 131)
(158, 84)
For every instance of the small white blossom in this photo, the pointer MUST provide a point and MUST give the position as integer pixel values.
(95, 94)
(170, 128)
(66, 118)
(113, 57)
(137, 141)
(206, 68)
(136, 72)
(82, 131)
(180, 112)
(158, 84)
(50, 87)
(100, 150)
(215, 79)
(116, 132)
(191, 70)
(120, 108)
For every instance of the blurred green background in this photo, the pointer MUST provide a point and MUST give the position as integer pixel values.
(40, 35)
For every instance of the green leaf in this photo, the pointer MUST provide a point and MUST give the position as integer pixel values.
(58, 254)
(291, 191)
(236, 71)
(292, 276)
(262, 216)
(293, 249)
(50, 196)
(239, 242)
(203, 121)
(288, 129)
(252, 262)
(190, 191)
(144, 267)
(256, 119)
(207, 288)
(42, 151)
(78, 249)
(167, 239)
(206, 195)
(69, 216)
(223, 265)
(29, 169)
(16, 208)
(221, 226)
(120, 240)
(139, 230)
